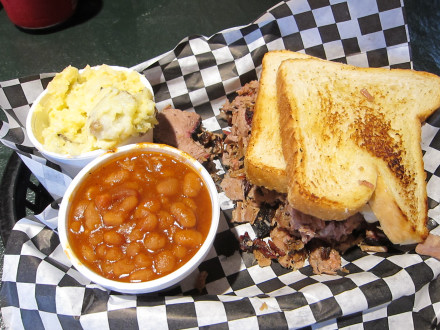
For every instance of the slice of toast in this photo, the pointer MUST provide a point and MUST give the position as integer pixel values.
(264, 162)
(351, 136)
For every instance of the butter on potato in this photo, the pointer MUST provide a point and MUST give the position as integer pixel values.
(97, 108)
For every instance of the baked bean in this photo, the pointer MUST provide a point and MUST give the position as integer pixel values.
(168, 187)
(128, 204)
(113, 218)
(121, 191)
(142, 275)
(88, 253)
(184, 215)
(92, 218)
(103, 201)
(180, 251)
(133, 249)
(166, 220)
(107, 268)
(76, 226)
(117, 177)
(140, 212)
(191, 184)
(164, 262)
(143, 260)
(151, 205)
(148, 223)
(123, 267)
(112, 237)
(188, 237)
(78, 210)
(135, 235)
(96, 238)
(101, 251)
(190, 203)
(114, 253)
(155, 241)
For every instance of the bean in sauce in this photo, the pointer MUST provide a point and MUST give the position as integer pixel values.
(139, 217)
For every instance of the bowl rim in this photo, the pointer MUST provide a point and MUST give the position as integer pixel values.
(165, 281)
(89, 154)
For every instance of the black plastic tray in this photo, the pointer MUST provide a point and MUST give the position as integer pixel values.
(21, 195)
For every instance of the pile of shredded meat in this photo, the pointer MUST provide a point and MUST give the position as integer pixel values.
(282, 233)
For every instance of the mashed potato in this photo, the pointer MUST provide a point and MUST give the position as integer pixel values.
(95, 109)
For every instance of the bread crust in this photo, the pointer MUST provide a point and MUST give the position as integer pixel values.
(394, 223)
(264, 161)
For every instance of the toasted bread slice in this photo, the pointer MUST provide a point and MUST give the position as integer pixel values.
(351, 136)
(264, 162)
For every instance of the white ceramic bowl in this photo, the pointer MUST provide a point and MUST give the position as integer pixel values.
(73, 164)
(162, 282)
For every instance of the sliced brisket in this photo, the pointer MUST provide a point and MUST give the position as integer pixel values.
(183, 130)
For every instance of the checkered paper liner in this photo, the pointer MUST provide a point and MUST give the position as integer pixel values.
(41, 289)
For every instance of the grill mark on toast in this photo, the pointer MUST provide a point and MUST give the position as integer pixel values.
(373, 133)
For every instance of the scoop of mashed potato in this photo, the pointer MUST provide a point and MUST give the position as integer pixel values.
(95, 109)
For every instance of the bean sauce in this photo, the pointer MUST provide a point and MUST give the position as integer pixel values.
(139, 217)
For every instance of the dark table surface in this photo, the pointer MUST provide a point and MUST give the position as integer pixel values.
(126, 33)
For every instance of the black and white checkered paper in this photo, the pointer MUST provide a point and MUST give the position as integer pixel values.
(399, 289)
